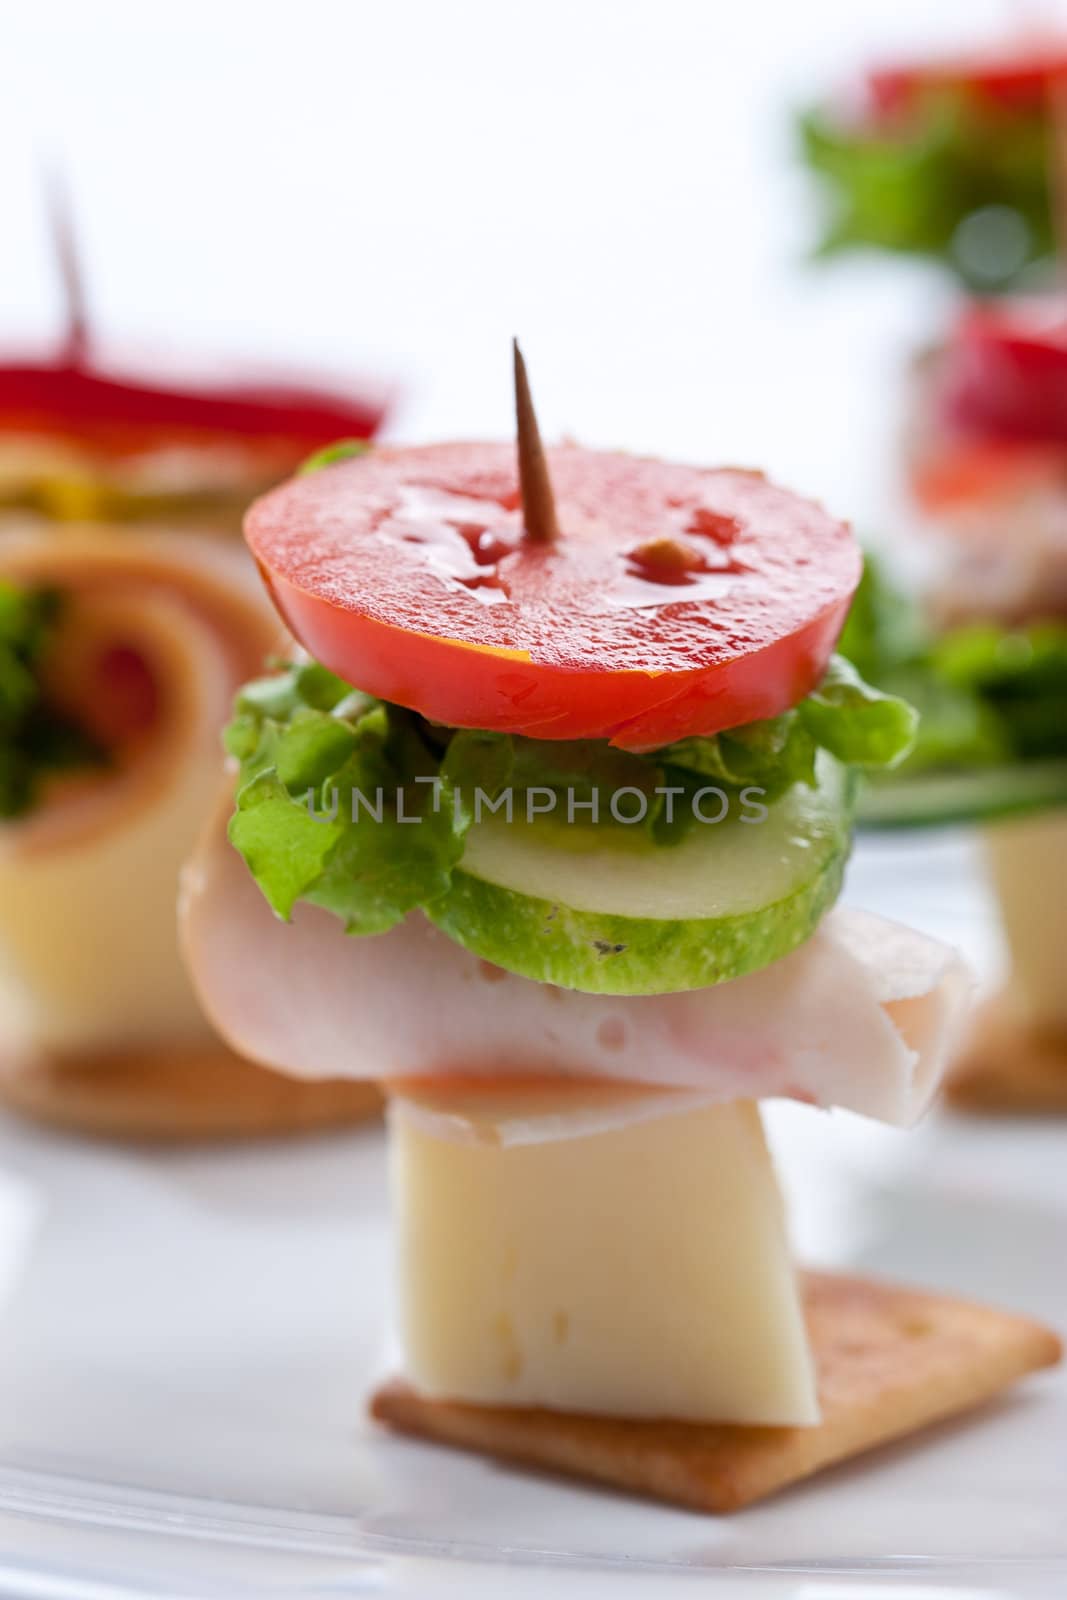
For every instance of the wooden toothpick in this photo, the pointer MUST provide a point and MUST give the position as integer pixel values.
(538, 505)
(65, 252)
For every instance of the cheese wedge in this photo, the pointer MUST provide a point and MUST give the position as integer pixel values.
(1028, 862)
(638, 1271)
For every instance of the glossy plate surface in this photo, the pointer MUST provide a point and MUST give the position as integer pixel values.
(186, 1341)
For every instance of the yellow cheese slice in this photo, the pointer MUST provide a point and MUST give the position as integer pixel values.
(638, 1271)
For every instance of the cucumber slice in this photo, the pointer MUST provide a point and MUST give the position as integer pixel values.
(936, 799)
(621, 915)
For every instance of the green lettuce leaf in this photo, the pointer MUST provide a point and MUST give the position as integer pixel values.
(285, 847)
(911, 185)
(1018, 675)
(772, 755)
(859, 725)
(330, 454)
(990, 700)
(331, 808)
(35, 739)
(883, 629)
(362, 807)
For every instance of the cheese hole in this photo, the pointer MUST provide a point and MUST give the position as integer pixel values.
(510, 1353)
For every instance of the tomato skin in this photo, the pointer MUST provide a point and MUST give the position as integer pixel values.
(407, 574)
(478, 688)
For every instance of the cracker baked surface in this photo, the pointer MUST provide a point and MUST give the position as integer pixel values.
(173, 1095)
(889, 1360)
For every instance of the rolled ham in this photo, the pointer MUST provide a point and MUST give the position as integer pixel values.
(862, 1016)
(88, 952)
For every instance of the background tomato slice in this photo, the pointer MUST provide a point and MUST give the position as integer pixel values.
(122, 414)
(679, 600)
(1003, 373)
(1017, 75)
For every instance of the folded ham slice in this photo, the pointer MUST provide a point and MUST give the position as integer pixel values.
(862, 1016)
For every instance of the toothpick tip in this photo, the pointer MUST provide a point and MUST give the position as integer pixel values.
(538, 504)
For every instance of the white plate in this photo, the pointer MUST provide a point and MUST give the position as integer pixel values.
(187, 1342)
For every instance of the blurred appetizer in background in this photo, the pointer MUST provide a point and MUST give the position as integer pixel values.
(81, 441)
(987, 458)
(571, 764)
(119, 657)
(951, 159)
(87, 437)
(121, 643)
(985, 659)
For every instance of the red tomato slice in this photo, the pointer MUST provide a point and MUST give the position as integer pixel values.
(1003, 374)
(1016, 75)
(120, 414)
(678, 600)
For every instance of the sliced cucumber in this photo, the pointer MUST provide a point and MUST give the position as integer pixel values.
(621, 915)
(937, 798)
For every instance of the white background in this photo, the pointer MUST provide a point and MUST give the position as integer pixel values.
(398, 187)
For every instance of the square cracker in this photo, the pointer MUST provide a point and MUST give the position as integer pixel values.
(178, 1094)
(889, 1361)
(1008, 1065)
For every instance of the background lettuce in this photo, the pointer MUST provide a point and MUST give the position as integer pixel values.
(992, 702)
(910, 185)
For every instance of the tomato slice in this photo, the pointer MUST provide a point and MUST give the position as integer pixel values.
(678, 600)
(1015, 75)
(121, 414)
(1003, 373)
